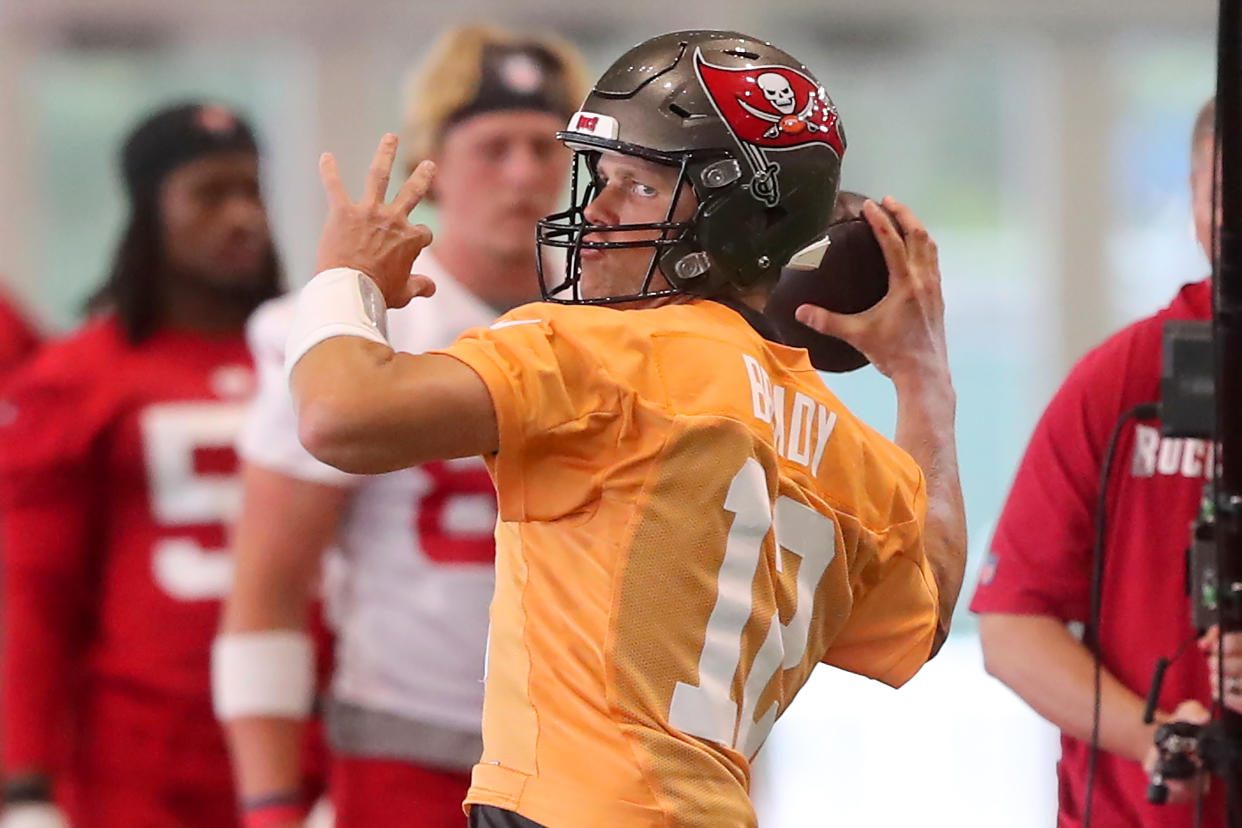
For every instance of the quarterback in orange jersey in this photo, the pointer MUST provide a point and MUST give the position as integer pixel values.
(690, 520)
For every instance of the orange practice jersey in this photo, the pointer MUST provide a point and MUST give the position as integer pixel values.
(689, 522)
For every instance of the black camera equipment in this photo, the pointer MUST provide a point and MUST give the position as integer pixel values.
(1185, 749)
(1201, 397)
(1178, 743)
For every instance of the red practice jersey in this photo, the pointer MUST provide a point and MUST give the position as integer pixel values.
(18, 339)
(1041, 553)
(118, 479)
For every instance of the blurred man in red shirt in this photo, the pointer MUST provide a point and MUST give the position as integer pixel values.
(1038, 578)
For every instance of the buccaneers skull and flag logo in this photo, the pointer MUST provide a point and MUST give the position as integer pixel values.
(770, 109)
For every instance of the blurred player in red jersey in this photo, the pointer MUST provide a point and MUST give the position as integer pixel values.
(1038, 578)
(18, 338)
(410, 598)
(118, 480)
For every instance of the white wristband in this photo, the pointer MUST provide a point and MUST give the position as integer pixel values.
(268, 673)
(340, 301)
(33, 815)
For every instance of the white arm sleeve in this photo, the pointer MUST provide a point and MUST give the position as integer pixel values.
(269, 437)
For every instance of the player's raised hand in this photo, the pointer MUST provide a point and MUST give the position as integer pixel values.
(904, 331)
(373, 235)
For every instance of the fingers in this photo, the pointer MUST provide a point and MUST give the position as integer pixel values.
(1191, 711)
(891, 245)
(420, 285)
(1208, 641)
(1233, 665)
(826, 322)
(331, 178)
(421, 235)
(417, 285)
(1182, 791)
(415, 187)
(1232, 696)
(919, 243)
(1232, 646)
(378, 177)
(1212, 644)
(380, 170)
(906, 219)
(1150, 758)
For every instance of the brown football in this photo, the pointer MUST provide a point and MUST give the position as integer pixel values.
(851, 278)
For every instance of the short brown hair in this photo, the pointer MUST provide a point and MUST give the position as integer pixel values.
(449, 76)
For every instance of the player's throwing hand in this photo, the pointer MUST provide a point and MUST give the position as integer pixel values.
(905, 329)
(373, 235)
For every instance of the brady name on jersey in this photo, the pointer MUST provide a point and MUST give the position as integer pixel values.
(810, 422)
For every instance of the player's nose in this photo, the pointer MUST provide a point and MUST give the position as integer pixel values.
(522, 167)
(602, 209)
(245, 212)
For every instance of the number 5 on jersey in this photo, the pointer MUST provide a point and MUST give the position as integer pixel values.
(707, 710)
(182, 496)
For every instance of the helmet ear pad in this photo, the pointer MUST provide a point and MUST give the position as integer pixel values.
(730, 226)
(748, 241)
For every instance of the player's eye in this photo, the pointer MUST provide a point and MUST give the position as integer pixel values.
(493, 151)
(643, 190)
(212, 193)
(545, 151)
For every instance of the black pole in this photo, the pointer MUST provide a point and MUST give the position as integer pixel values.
(1227, 334)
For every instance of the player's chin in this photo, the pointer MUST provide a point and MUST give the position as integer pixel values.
(236, 267)
(514, 249)
(239, 280)
(593, 283)
(512, 233)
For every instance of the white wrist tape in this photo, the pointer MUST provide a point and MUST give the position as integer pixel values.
(269, 673)
(337, 302)
(33, 815)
